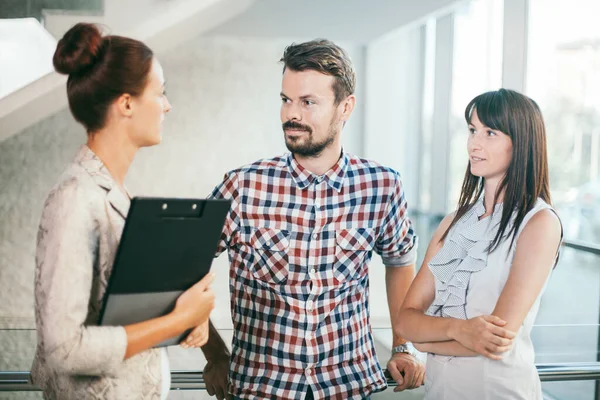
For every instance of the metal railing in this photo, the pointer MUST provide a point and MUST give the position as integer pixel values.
(586, 247)
(193, 380)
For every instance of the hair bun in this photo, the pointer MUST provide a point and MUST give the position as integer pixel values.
(78, 49)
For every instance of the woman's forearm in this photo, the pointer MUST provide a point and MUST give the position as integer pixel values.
(145, 335)
(448, 348)
(417, 327)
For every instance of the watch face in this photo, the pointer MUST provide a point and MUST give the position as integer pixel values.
(400, 349)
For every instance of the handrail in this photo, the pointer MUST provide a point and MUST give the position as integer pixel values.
(581, 371)
(193, 380)
(586, 247)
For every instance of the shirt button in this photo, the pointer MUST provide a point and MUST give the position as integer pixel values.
(309, 371)
(309, 305)
(312, 271)
(317, 204)
(315, 236)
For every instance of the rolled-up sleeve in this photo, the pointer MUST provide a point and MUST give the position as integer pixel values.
(397, 242)
(67, 248)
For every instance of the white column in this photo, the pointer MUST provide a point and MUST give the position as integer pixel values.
(594, 156)
(440, 141)
(393, 105)
(514, 67)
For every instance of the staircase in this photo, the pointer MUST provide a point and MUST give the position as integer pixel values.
(29, 29)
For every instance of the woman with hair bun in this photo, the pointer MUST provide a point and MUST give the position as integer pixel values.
(116, 91)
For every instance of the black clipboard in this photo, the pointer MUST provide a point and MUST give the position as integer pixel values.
(167, 246)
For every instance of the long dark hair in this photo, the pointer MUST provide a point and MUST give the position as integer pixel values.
(526, 179)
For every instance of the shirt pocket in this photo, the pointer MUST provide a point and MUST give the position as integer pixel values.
(353, 248)
(269, 253)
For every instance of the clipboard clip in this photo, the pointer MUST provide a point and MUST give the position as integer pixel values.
(181, 209)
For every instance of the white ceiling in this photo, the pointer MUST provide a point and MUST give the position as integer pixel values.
(358, 21)
(26, 50)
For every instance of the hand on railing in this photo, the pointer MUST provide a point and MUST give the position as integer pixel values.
(406, 371)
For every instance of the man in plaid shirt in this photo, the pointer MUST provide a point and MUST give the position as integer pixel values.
(300, 235)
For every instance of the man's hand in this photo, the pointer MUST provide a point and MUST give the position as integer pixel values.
(215, 377)
(407, 371)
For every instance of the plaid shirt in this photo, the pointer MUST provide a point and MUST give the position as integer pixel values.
(299, 248)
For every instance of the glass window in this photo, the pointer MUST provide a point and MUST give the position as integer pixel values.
(477, 68)
(563, 77)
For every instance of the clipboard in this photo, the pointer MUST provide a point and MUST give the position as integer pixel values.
(167, 246)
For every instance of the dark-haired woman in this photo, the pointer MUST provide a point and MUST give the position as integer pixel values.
(474, 300)
(116, 91)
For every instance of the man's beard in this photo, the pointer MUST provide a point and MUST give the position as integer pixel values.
(305, 146)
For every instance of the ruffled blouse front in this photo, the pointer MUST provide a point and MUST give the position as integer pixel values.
(464, 252)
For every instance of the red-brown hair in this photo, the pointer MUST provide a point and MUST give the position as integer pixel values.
(100, 69)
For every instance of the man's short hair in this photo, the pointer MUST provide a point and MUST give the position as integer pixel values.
(326, 57)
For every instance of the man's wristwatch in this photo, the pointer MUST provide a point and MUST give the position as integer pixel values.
(402, 348)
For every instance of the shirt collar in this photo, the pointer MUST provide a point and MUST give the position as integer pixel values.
(95, 167)
(334, 177)
(479, 208)
(99, 173)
